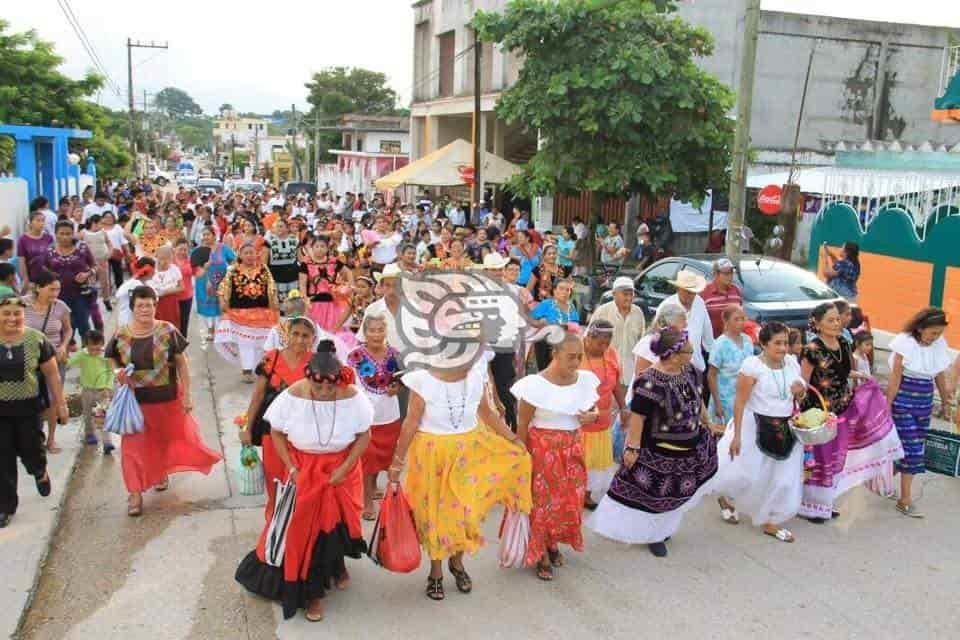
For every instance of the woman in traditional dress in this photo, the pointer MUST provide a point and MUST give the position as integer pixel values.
(150, 240)
(601, 359)
(376, 365)
(170, 441)
(279, 370)
(167, 281)
(319, 428)
(670, 454)
(282, 257)
(866, 439)
(323, 280)
(729, 351)
(27, 360)
(761, 463)
(462, 459)
(919, 360)
(249, 302)
(669, 316)
(209, 275)
(553, 404)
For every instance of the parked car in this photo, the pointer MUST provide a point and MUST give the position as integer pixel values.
(245, 185)
(296, 188)
(209, 185)
(187, 180)
(772, 289)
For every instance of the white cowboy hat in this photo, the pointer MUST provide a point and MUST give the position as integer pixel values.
(391, 270)
(689, 281)
(495, 261)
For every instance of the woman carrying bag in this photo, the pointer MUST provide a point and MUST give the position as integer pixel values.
(280, 369)
(319, 427)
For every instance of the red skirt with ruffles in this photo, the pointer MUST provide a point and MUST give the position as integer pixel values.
(383, 441)
(558, 483)
(323, 531)
(169, 443)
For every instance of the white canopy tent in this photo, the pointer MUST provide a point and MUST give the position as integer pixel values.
(442, 168)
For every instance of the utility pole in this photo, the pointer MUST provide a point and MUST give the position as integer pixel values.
(316, 145)
(741, 142)
(477, 114)
(131, 45)
(293, 150)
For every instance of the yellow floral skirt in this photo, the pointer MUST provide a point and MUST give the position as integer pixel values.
(598, 455)
(454, 480)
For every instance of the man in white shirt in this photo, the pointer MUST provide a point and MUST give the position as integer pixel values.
(389, 305)
(699, 329)
(579, 229)
(456, 216)
(628, 325)
(98, 207)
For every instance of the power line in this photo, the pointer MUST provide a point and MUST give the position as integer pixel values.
(87, 44)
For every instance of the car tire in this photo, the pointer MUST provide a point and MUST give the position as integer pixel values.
(161, 181)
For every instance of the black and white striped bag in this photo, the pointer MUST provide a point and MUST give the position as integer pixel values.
(280, 523)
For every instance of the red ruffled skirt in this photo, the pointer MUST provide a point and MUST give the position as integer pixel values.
(170, 443)
(323, 531)
(168, 309)
(558, 481)
(383, 441)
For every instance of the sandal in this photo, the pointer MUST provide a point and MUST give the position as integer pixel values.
(435, 588)
(343, 582)
(545, 571)
(378, 495)
(728, 513)
(314, 610)
(464, 583)
(369, 516)
(163, 486)
(909, 510)
(783, 535)
(134, 506)
(556, 558)
(589, 504)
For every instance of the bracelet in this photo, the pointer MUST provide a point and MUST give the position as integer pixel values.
(628, 447)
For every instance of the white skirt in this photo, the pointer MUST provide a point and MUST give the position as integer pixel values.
(633, 526)
(598, 481)
(860, 466)
(767, 490)
(231, 337)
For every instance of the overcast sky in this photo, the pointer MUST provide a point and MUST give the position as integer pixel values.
(259, 59)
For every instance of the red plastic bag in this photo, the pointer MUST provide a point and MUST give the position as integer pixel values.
(394, 544)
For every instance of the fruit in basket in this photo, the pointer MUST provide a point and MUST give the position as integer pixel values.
(811, 418)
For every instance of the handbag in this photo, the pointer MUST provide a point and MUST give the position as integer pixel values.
(250, 475)
(260, 426)
(283, 508)
(941, 452)
(124, 416)
(774, 437)
(394, 544)
(514, 536)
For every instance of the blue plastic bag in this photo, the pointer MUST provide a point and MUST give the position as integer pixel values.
(124, 417)
(619, 437)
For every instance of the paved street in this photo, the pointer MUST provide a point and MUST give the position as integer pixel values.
(169, 574)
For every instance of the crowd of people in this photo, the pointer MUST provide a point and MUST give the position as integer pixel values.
(633, 422)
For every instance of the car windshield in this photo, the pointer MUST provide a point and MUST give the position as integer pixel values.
(779, 282)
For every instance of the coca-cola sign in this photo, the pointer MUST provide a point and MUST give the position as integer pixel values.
(768, 199)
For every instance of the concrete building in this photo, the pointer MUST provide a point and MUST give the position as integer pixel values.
(869, 81)
(231, 129)
(374, 134)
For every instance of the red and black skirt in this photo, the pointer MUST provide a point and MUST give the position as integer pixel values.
(324, 530)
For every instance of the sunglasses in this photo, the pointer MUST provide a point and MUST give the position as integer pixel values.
(12, 300)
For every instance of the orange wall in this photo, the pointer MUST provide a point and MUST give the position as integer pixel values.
(951, 304)
(893, 289)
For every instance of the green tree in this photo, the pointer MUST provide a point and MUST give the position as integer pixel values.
(176, 103)
(34, 92)
(226, 106)
(614, 90)
(341, 90)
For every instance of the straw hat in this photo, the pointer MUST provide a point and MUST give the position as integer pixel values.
(391, 270)
(689, 281)
(495, 261)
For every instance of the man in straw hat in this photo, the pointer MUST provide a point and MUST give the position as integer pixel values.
(388, 305)
(628, 325)
(689, 284)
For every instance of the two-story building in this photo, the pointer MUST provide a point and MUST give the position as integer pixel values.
(232, 130)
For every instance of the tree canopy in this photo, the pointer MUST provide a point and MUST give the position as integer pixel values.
(176, 103)
(614, 90)
(34, 92)
(341, 90)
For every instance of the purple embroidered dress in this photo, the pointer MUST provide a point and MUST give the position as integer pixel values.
(677, 459)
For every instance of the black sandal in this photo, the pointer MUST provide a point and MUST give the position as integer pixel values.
(556, 558)
(545, 571)
(464, 584)
(435, 588)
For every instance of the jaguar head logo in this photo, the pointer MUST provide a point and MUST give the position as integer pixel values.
(448, 319)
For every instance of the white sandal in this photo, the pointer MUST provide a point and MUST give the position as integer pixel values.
(783, 535)
(729, 514)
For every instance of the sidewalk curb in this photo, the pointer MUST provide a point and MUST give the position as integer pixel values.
(51, 530)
